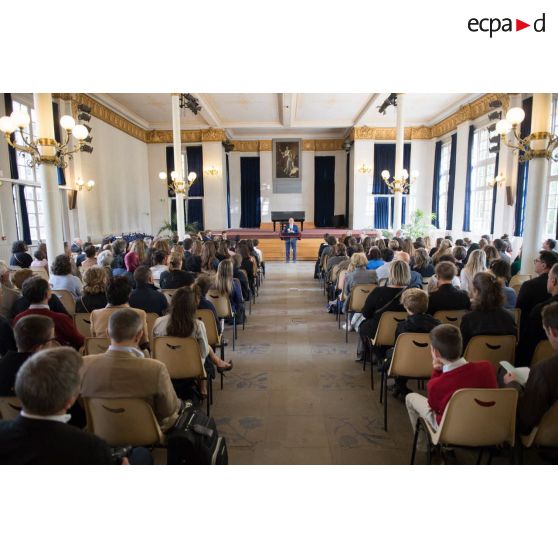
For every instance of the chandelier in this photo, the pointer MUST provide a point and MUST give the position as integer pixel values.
(19, 121)
(514, 117)
(178, 186)
(401, 183)
(89, 185)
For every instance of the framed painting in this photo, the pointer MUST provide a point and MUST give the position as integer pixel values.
(287, 177)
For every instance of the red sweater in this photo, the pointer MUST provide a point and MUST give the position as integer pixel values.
(442, 385)
(64, 329)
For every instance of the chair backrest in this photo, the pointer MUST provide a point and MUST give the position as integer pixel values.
(208, 319)
(9, 408)
(412, 357)
(359, 294)
(67, 300)
(493, 348)
(82, 320)
(543, 351)
(96, 345)
(546, 433)
(40, 271)
(452, 317)
(169, 293)
(517, 280)
(341, 279)
(151, 317)
(181, 356)
(516, 315)
(479, 417)
(221, 302)
(385, 334)
(123, 422)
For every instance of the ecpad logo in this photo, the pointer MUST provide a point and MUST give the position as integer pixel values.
(494, 24)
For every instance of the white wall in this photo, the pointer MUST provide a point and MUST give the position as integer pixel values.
(422, 160)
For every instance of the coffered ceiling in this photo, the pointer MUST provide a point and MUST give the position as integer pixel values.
(267, 115)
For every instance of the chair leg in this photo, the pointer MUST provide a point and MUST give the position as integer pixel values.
(481, 453)
(235, 326)
(385, 403)
(382, 380)
(365, 348)
(415, 441)
(346, 327)
(222, 376)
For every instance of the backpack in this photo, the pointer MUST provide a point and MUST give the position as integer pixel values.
(194, 440)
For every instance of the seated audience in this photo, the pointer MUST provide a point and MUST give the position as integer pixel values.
(209, 262)
(118, 295)
(501, 248)
(20, 257)
(37, 291)
(476, 263)
(123, 371)
(62, 279)
(488, 316)
(451, 372)
(39, 261)
(21, 303)
(446, 296)
(259, 253)
(118, 252)
(203, 284)
(175, 277)
(241, 276)
(374, 258)
(383, 271)
(95, 282)
(416, 277)
(415, 302)
(9, 293)
(444, 249)
(502, 269)
(459, 253)
(32, 334)
(91, 257)
(225, 284)
(81, 257)
(541, 389)
(7, 341)
(48, 386)
(193, 261)
(248, 265)
(361, 275)
(339, 255)
(104, 260)
(549, 244)
(136, 256)
(422, 263)
(491, 254)
(160, 258)
(146, 296)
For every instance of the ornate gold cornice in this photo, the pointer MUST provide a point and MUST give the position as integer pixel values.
(247, 146)
(266, 145)
(322, 145)
(308, 145)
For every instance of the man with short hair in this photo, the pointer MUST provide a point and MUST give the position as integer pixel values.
(446, 296)
(160, 259)
(451, 372)
(549, 244)
(383, 271)
(534, 291)
(37, 291)
(146, 296)
(541, 389)
(124, 372)
(118, 296)
(501, 246)
(47, 386)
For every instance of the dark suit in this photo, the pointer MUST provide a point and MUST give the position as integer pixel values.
(532, 292)
(290, 241)
(493, 322)
(10, 363)
(7, 341)
(448, 297)
(25, 441)
(149, 299)
(193, 264)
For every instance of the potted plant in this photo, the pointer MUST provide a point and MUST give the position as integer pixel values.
(419, 225)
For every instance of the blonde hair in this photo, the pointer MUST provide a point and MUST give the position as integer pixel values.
(415, 301)
(224, 277)
(175, 261)
(138, 246)
(399, 274)
(476, 263)
(95, 280)
(358, 259)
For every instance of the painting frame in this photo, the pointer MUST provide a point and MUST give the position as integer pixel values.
(287, 165)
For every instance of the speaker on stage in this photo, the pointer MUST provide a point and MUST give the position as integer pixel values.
(339, 221)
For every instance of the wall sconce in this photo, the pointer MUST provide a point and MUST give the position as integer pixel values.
(364, 169)
(89, 185)
(211, 171)
(498, 180)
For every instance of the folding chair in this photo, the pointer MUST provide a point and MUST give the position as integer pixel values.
(96, 345)
(183, 360)
(123, 421)
(517, 280)
(243, 271)
(357, 298)
(67, 300)
(452, 317)
(9, 408)
(40, 271)
(411, 359)
(213, 338)
(151, 318)
(516, 315)
(545, 435)
(493, 348)
(341, 297)
(543, 350)
(224, 309)
(82, 321)
(473, 418)
(385, 337)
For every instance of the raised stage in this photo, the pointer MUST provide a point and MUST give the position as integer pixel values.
(273, 247)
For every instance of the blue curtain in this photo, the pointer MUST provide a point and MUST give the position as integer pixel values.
(195, 213)
(170, 168)
(25, 229)
(451, 182)
(436, 183)
(324, 191)
(522, 172)
(467, 212)
(494, 194)
(194, 156)
(250, 202)
(406, 165)
(228, 192)
(56, 117)
(384, 158)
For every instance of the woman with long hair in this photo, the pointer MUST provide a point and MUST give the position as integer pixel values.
(381, 244)
(248, 264)
(209, 262)
(181, 322)
(491, 254)
(475, 264)
(136, 255)
(225, 284)
(95, 281)
(443, 250)
(488, 316)
(423, 263)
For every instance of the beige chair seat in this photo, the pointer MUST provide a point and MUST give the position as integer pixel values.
(67, 300)
(357, 298)
(10, 408)
(543, 350)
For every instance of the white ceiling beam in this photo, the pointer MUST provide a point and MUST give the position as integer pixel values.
(287, 109)
(208, 113)
(364, 111)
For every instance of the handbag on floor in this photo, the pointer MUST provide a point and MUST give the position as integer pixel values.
(194, 440)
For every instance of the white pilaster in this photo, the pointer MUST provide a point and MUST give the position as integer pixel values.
(399, 147)
(535, 204)
(215, 187)
(177, 150)
(361, 213)
(266, 185)
(460, 177)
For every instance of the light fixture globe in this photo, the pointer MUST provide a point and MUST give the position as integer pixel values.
(90, 184)
(404, 174)
(173, 175)
(80, 132)
(503, 127)
(192, 176)
(162, 175)
(515, 115)
(385, 174)
(7, 125)
(67, 122)
(20, 119)
(415, 174)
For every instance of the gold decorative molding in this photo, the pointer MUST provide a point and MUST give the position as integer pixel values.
(213, 134)
(266, 145)
(308, 145)
(322, 145)
(165, 136)
(247, 146)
